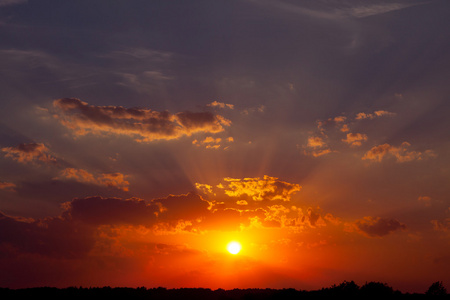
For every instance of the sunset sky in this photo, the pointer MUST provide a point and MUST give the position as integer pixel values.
(138, 138)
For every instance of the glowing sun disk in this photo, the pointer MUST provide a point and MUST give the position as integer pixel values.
(234, 247)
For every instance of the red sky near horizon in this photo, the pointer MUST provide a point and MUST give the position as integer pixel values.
(138, 139)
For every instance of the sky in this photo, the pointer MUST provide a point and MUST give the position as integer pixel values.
(138, 138)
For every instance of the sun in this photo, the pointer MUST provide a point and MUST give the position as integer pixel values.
(234, 247)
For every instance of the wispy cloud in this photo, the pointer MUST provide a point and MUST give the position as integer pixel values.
(334, 10)
(115, 180)
(363, 11)
(296, 9)
(12, 2)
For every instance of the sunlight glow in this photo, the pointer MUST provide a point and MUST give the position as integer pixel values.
(234, 247)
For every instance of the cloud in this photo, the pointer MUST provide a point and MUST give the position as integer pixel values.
(79, 229)
(315, 142)
(189, 206)
(32, 152)
(425, 199)
(376, 114)
(345, 128)
(145, 82)
(355, 139)
(376, 227)
(296, 9)
(144, 125)
(205, 188)
(401, 153)
(332, 219)
(53, 237)
(9, 186)
(374, 9)
(213, 143)
(260, 202)
(339, 119)
(316, 146)
(313, 218)
(259, 109)
(220, 105)
(317, 153)
(116, 180)
(209, 142)
(260, 189)
(98, 211)
(11, 2)
(333, 129)
(441, 225)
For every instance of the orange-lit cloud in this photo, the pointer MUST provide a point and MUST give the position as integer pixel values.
(327, 129)
(376, 227)
(259, 189)
(315, 142)
(378, 113)
(221, 105)
(355, 139)
(425, 200)
(316, 146)
(443, 225)
(261, 202)
(116, 180)
(313, 218)
(251, 110)
(143, 125)
(213, 143)
(32, 152)
(345, 128)
(9, 186)
(401, 153)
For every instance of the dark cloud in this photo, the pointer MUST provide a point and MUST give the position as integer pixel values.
(112, 211)
(313, 218)
(143, 125)
(190, 206)
(377, 227)
(55, 237)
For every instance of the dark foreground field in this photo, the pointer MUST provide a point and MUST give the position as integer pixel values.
(345, 290)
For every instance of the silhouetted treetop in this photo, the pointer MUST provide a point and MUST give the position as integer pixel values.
(436, 289)
(347, 290)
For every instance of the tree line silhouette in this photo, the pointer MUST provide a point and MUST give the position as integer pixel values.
(347, 290)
